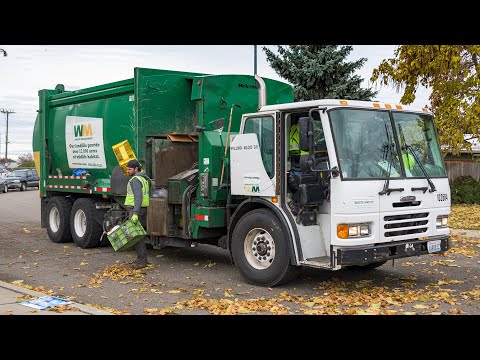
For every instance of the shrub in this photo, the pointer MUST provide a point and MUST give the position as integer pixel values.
(465, 190)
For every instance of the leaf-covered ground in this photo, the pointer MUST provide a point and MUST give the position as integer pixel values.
(465, 217)
(443, 284)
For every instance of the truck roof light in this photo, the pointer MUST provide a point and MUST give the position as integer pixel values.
(343, 102)
(388, 106)
(376, 105)
(399, 107)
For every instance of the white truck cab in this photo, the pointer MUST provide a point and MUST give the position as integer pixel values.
(367, 184)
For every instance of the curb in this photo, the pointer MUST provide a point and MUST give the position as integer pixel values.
(83, 308)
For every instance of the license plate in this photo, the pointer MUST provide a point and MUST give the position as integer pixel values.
(434, 246)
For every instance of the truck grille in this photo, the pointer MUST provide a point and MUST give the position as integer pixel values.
(415, 224)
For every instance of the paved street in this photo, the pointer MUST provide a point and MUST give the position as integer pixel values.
(202, 280)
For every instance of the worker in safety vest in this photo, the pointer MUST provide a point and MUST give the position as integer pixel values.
(294, 150)
(137, 201)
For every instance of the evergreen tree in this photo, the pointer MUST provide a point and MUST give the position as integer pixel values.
(319, 72)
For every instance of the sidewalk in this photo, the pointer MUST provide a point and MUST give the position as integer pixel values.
(9, 306)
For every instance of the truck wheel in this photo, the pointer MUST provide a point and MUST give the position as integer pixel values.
(23, 186)
(86, 232)
(58, 219)
(260, 250)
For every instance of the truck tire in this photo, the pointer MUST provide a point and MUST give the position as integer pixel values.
(23, 186)
(260, 250)
(5, 188)
(86, 232)
(58, 219)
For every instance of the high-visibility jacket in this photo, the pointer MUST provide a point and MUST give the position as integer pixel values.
(295, 141)
(130, 199)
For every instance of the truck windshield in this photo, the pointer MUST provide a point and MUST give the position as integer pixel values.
(365, 144)
(417, 134)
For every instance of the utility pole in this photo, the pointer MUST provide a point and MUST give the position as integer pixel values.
(7, 112)
(254, 59)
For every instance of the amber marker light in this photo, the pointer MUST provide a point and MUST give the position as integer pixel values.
(388, 106)
(343, 102)
(399, 107)
(342, 231)
(275, 200)
(375, 105)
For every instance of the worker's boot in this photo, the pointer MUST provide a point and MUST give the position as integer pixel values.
(139, 264)
(141, 250)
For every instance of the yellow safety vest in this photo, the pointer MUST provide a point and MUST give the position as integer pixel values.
(295, 141)
(130, 199)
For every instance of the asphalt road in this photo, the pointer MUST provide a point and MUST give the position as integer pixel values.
(20, 206)
(202, 280)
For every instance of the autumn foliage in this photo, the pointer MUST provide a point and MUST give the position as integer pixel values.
(452, 72)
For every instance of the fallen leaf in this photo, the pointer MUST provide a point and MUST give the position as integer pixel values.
(26, 231)
(420, 306)
(456, 311)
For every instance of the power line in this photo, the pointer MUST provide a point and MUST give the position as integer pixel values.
(7, 112)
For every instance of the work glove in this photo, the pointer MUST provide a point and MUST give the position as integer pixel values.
(134, 218)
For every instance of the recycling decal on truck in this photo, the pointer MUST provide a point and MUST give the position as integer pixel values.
(84, 142)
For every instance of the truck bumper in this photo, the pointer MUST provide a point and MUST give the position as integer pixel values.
(383, 252)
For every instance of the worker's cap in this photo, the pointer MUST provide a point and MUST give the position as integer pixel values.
(133, 164)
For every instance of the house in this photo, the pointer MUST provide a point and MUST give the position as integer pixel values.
(465, 154)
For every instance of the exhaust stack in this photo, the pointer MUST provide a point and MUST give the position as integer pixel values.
(262, 92)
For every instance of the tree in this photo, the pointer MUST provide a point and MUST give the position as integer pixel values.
(25, 160)
(453, 74)
(319, 71)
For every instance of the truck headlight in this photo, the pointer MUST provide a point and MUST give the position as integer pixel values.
(442, 221)
(345, 231)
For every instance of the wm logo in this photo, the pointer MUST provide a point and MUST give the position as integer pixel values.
(252, 188)
(83, 130)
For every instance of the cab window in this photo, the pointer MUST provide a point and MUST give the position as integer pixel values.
(263, 127)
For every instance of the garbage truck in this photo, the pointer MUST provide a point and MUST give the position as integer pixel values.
(359, 184)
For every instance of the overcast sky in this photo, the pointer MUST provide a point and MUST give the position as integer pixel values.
(29, 68)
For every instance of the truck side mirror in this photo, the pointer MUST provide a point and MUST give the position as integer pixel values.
(305, 133)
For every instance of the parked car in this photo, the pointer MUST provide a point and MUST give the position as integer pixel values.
(23, 179)
(3, 185)
(4, 172)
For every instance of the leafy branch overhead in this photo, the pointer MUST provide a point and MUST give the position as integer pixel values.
(452, 72)
(319, 71)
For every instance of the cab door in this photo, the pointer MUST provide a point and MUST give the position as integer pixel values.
(253, 153)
